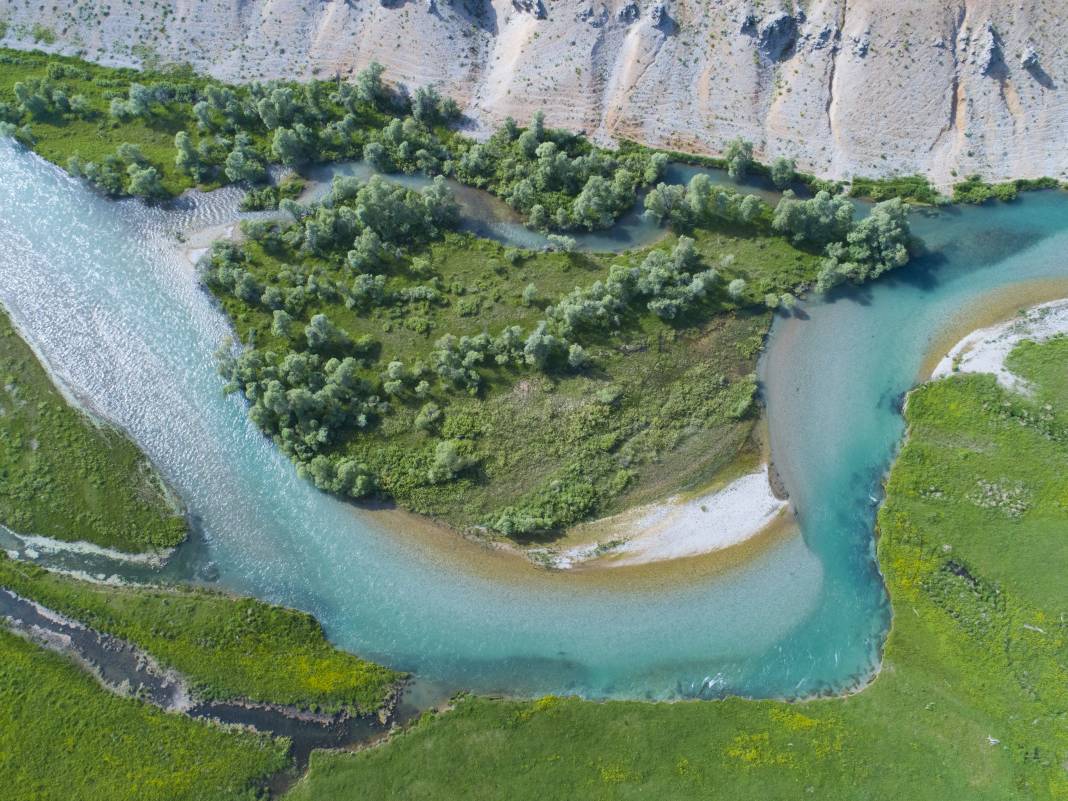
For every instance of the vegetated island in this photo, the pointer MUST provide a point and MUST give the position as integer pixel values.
(970, 700)
(388, 353)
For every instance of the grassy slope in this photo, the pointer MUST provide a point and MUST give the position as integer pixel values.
(978, 650)
(228, 648)
(63, 737)
(62, 475)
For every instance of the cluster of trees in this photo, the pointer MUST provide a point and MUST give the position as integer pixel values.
(41, 98)
(556, 179)
(740, 161)
(124, 172)
(358, 218)
(306, 402)
(311, 394)
(267, 198)
(877, 243)
(857, 250)
(701, 201)
(667, 284)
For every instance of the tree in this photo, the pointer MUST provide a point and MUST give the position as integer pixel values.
(751, 208)
(736, 288)
(201, 110)
(324, 336)
(243, 163)
(783, 172)
(530, 295)
(187, 159)
(367, 252)
(739, 156)
(577, 357)
(282, 325)
(369, 86)
(537, 125)
(288, 147)
(145, 182)
(428, 417)
(375, 154)
(448, 461)
(120, 110)
(594, 205)
(140, 100)
(33, 102)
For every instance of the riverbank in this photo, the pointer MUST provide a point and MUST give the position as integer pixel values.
(71, 481)
(986, 350)
(730, 515)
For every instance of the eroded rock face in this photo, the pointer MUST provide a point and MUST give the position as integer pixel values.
(628, 13)
(536, 8)
(847, 88)
(777, 36)
(658, 15)
(989, 57)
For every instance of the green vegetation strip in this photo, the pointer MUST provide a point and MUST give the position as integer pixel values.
(228, 648)
(64, 737)
(971, 699)
(65, 476)
(154, 134)
(913, 188)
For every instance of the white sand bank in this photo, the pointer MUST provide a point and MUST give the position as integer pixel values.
(33, 545)
(985, 350)
(678, 528)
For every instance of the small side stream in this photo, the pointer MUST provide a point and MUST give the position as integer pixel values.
(128, 671)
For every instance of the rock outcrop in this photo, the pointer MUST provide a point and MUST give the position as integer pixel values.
(846, 87)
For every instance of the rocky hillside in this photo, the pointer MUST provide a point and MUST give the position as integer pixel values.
(848, 87)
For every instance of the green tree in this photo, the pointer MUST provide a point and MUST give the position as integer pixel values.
(739, 156)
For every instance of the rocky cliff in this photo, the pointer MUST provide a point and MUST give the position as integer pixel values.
(847, 87)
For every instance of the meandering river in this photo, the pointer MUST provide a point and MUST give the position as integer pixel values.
(104, 294)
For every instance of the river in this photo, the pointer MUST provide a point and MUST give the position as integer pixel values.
(102, 291)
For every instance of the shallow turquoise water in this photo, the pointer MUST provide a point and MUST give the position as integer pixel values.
(101, 290)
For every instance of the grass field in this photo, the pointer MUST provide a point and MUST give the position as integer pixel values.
(971, 700)
(65, 738)
(65, 476)
(227, 647)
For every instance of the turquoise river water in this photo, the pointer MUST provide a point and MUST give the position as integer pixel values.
(104, 293)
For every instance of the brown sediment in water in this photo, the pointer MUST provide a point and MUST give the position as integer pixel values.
(991, 309)
(505, 562)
